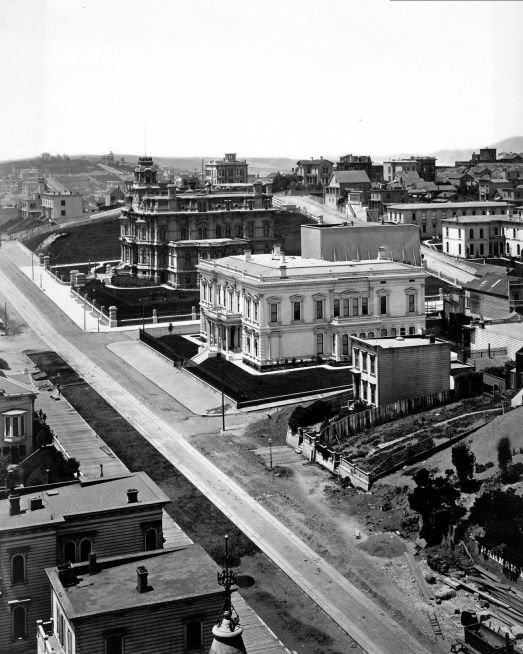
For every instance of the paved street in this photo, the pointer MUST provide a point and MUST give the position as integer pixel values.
(166, 424)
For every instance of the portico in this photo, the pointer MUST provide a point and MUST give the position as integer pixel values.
(223, 330)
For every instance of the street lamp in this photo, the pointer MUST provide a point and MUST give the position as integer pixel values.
(270, 453)
(219, 356)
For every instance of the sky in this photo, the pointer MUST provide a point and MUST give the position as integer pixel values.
(293, 78)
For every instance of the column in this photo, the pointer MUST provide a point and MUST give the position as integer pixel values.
(226, 339)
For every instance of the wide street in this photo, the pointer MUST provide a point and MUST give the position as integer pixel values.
(168, 425)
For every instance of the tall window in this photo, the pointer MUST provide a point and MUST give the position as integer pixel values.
(218, 231)
(114, 644)
(346, 307)
(364, 361)
(336, 308)
(319, 343)
(18, 569)
(471, 233)
(274, 312)
(355, 306)
(383, 304)
(151, 539)
(345, 345)
(412, 331)
(364, 306)
(296, 310)
(412, 303)
(19, 623)
(227, 231)
(372, 361)
(193, 635)
(85, 549)
(383, 333)
(70, 551)
(481, 233)
(14, 424)
(319, 309)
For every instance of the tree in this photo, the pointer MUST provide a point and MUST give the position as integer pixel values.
(504, 455)
(463, 460)
(436, 500)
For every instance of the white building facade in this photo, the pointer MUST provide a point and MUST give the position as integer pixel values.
(278, 311)
(483, 236)
(61, 207)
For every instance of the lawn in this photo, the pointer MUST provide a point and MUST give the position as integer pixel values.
(167, 302)
(98, 241)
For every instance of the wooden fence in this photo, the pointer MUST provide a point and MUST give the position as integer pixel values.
(356, 422)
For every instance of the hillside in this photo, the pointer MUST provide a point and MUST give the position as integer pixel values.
(448, 157)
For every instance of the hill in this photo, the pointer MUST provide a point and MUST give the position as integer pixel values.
(448, 157)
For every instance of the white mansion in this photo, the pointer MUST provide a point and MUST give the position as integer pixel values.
(278, 310)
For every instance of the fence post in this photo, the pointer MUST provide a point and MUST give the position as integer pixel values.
(113, 321)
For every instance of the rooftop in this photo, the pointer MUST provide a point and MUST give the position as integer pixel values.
(267, 266)
(351, 177)
(508, 329)
(394, 343)
(81, 497)
(187, 572)
(448, 205)
(464, 220)
(493, 285)
(11, 386)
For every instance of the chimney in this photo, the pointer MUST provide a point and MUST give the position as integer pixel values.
(93, 566)
(132, 495)
(36, 503)
(142, 585)
(282, 257)
(14, 502)
(283, 271)
(247, 254)
(320, 220)
(276, 251)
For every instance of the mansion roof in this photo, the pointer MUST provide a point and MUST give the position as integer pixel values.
(267, 268)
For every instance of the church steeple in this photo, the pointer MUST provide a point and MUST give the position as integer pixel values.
(227, 631)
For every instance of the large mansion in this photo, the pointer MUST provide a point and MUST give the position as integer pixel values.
(164, 233)
(277, 310)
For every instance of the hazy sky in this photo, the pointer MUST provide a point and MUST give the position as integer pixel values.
(261, 77)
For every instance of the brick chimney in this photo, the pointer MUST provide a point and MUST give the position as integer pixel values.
(93, 566)
(36, 503)
(132, 495)
(14, 504)
(142, 585)
(247, 253)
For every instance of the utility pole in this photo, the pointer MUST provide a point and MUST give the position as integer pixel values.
(270, 453)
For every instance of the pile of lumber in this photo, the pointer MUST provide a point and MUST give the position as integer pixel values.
(506, 601)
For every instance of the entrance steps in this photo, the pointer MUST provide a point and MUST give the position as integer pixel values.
(202, 356)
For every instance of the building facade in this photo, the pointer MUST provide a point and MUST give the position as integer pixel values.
(16, 419)
(389, 369)
(355, 162)
(341, 182)
(64, 523)
(164, 233)
(428, 215)
(228, 170)
(161, 604)
(424, 166)
(61, 207)
(315, 172)
(483, 236)
(274, 310)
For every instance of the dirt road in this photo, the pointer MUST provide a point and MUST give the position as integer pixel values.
(132, 395)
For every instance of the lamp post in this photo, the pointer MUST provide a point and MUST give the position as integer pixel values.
(219, 356)
(270, 453)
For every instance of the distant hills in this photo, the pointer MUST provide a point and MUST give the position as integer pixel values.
(448, 157)
(264, 165)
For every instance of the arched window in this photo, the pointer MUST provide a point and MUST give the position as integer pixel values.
(70, 551)
(238, 231)
(402, 331)
(371, 335)
(412, 331)
(362, 334)
(218, 231)
(345, 345)
(202, 232)
(19, 623)
(383, 333)
(151, 540)
(85, 549)
(18, 569)
(183, 233)
(227, 231)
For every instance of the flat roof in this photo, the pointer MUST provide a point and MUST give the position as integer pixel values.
(187, 572)
(447, 205)
(395, 342)
(265, 266)
(476, 219)
(81, 497)
(508, 329)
